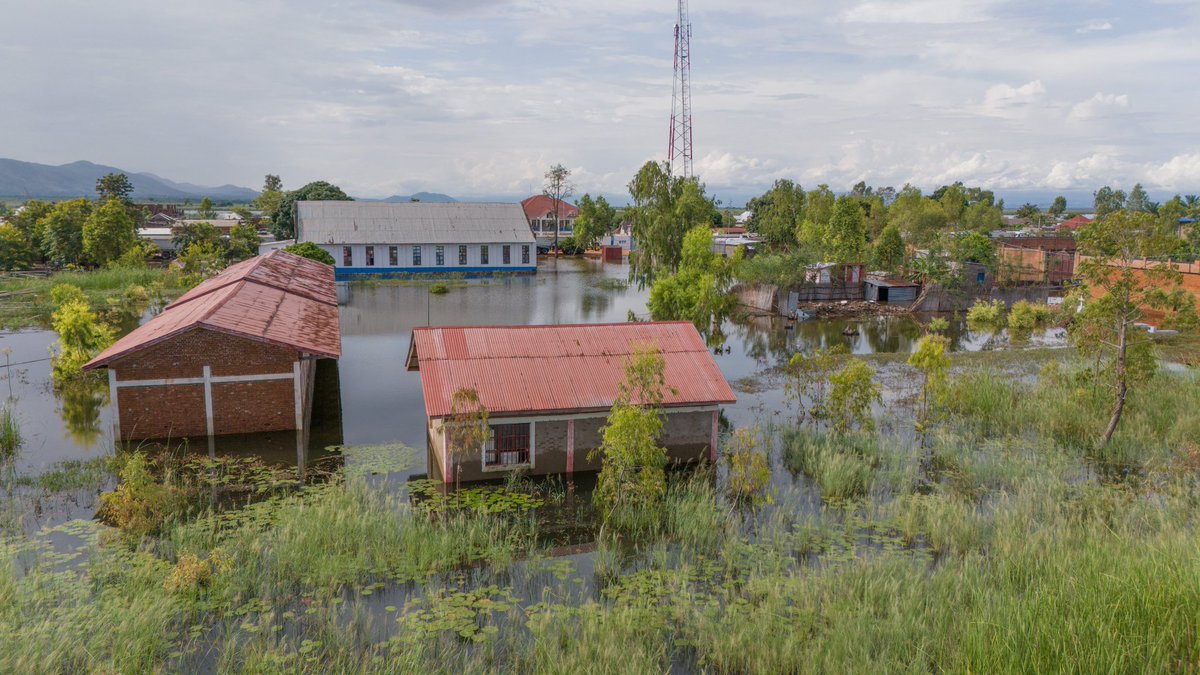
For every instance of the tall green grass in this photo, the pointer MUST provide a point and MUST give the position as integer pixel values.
(10, 433)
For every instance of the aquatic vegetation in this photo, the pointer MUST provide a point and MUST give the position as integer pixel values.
(10, 433)
(985, 315)
(852, 392)
(439, 288)
(749, 469)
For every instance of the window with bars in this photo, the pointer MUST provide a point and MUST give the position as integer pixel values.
(509, 446)
(416, 256)
(347, 257)
(525, 254)
(462, 254)
(370, 256)
(439, 255)
(506, 254)
(483, 255)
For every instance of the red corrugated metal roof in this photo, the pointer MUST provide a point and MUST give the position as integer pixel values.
(527, 369)
(540, 206)
(278, 298)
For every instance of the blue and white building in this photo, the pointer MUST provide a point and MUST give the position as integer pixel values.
(383, 238)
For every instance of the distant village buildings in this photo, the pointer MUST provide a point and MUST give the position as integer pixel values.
(382, 238)
(539, 211)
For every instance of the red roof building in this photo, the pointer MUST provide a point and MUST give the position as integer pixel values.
(549, 389)
(236, 354)
(539, 211)
(1075, 223)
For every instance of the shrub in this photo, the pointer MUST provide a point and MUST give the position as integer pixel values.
(140, 505)
(312, 252)
(749, 470)
(851, 395)
(984, 314)
(439, 289)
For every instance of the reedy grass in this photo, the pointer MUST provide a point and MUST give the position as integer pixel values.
(10, 433)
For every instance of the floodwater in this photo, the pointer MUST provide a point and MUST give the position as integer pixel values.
(368, 397)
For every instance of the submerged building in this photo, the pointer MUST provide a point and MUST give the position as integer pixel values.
(236, 354)
(384, 238)
(549, 389)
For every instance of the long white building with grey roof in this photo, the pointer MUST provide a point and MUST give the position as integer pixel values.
(382, 238)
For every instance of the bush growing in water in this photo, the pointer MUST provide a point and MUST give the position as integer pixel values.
(933, 362)
(439, 288)
(852, 392)
(81, 335)
(749, 470)
(1026, 316)
(10, 433)
(141, 504)
(984, 314)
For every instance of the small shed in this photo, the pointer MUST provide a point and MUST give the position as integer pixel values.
(834, 273)
(549, 389)
(891, 291)
(236, 354)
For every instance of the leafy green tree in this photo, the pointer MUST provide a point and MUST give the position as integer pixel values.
(807, 383)
(632, 477)
(283, 223)
(778, 213)
(311, 251)
(62, 231)
(852, 392)
(596, 219)
(665, 208)
(1125, 281)
(28, 221)
(934, 363)
(953, 200)
(1030, 213)
(1108, 200)
(201, 261)
(108, 232)
(975, 248)
(15, 251)
(749, 478)
(818, 204)
(919, 218)
(114, 186)
(846, 239)
(206, 209)
(195, 232)
(1058, 208)
(698, 291)
(136, 256)
(81, 335)
(983, 217)
(271, 196)
(889, 252)
(243, 242)
(1139, 201)
(466, 428)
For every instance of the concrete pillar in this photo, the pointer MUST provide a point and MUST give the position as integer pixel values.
(116, 404)
(570, 447)
(712, 448)
(298, 394)
(209, 424)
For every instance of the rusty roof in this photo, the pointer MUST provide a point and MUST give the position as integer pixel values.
(277, 298)
(547, 369)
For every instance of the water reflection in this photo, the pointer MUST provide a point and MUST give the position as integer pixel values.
(81, 404)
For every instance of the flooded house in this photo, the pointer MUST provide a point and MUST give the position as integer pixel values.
(236, 354)
(384, 238)
(549, 389)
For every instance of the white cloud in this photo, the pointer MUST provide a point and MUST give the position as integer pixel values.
(1098, 105)
(1002, 98)
(1094, 26)
(919, 11)
(1181, 172)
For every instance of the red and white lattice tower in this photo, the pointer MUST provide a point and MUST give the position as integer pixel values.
(679, 151)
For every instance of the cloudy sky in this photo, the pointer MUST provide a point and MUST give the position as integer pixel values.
(478, 97)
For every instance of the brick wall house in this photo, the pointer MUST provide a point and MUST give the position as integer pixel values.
(237, 354)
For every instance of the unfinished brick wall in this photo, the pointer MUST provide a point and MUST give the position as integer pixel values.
(177, 410)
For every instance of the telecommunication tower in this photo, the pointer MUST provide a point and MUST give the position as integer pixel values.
(679, 151)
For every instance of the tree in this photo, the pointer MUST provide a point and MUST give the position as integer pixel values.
(852, 392)
(15, 251)
(558, 187)
(195, 232)
(114, 186)
(698, 290)
(920, 219)
(632, 476)
(1058, 208)
(808, 380)
(1139, 201)
(1030, 213)
(283, 223)
(974, 247)
(665, 208)
(202, 260)
(889, 252)
(243, 242)
(28, 221)
(846, 240)
(818, 204)
(596, 219)
(1124, 282)
(778, 213)
(271, 196)
(108, 232)
(311, 251)
(206, 209)
(62, 231)
(466, 428)
(1108, 200)
(81, 335)
(934, 363)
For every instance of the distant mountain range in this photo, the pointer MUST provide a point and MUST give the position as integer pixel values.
(420, 197)
(26, 180)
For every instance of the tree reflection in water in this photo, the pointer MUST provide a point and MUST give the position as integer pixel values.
(80, 402)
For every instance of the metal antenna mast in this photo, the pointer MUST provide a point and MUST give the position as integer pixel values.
(679, 151)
